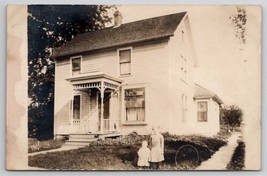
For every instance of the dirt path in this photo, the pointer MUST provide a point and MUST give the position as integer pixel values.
(222, 157)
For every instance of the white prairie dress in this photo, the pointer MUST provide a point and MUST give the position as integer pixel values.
(143, 156)
(157, 148)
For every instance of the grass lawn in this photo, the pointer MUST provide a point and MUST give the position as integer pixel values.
(122, 154)
(36, 146)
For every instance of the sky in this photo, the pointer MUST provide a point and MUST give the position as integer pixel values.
(227, 67)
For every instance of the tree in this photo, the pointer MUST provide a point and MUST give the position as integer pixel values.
(239, 20)
(49, 27)
(232, 116)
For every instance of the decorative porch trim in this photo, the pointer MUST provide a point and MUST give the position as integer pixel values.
(84, 82)
(87, 85)
(94, 80)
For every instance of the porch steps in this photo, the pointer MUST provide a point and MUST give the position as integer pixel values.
(85, 139)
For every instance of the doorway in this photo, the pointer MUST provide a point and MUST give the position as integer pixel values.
(106, 120)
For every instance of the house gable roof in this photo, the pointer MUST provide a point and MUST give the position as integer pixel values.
(202, 93)
(128, 33)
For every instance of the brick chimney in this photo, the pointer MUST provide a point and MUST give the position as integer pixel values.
(117, 19)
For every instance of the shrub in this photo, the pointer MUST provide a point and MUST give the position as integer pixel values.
(238, 159)
(232, 116)
(36, 146)
(130, 139)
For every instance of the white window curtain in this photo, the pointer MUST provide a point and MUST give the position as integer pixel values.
(135, 105)
(135, 114)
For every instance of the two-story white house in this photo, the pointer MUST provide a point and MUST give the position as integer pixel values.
(131, 77)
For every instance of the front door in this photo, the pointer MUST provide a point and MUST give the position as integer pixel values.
(106, 120)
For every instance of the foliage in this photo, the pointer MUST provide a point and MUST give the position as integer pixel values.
(232, 116)
(239, 21)
(130, 139)
(121, 154)
(213, 143)
(36, 146)
(224, 133)
(49, 27)
(238, 159)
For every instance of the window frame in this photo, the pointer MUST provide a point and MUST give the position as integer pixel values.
(123, 119)
(81, 61)
(119, 63)
(72, 114)
(198, 118)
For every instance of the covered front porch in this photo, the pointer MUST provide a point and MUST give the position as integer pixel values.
(95, 104)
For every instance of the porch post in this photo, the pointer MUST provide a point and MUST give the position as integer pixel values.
(71, 111)
(102, 107)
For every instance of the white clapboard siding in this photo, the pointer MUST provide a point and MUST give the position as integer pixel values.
(212, 125)
(63, 92)
(105, 61)
(180, 45)
(149, 69)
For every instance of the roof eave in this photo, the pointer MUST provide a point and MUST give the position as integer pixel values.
(214, 97)
(55, 55)
(87, 77)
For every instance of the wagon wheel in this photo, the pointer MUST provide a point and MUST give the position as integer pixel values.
(204, 154)
(187, 156)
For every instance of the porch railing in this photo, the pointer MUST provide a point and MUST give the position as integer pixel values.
(85, 123)
(76, 122)
(106, 124)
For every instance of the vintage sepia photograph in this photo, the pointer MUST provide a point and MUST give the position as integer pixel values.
(135, 87)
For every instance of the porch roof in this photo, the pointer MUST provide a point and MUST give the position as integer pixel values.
(93, 80)
(202, 93)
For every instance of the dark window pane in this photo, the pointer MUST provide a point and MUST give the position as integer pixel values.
(125, 56)
(76, 64)
(76, 106)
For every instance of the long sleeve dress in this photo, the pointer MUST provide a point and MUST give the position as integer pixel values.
(157, 148)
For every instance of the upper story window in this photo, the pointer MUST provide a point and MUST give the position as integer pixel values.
(76, 65)
(184, 70)
(125, 61)
(202, 111)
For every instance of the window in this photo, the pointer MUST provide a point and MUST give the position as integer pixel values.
(135, 105)
(76, 65)
(183, 67)
(76, 107)
(202, 111)
(184, 107)
(125, 61)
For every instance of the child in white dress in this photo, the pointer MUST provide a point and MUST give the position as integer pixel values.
(143, 155)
